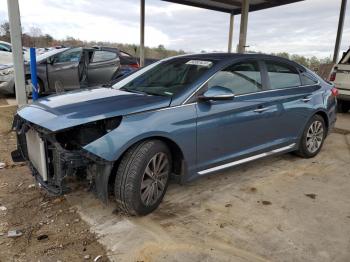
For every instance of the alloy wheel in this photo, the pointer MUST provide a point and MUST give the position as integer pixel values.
(314, 136)
(154, 179)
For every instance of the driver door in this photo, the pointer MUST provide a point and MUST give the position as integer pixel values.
(229, 130)
(63, 72)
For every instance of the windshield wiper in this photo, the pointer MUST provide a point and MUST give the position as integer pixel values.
(140, 92)
(153, 94)
(132, 90)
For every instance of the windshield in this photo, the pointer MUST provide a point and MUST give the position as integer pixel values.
(50, 53)
(165, 78)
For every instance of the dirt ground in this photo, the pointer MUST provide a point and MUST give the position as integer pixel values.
(51, 229)
(277, 209)
(281, 208)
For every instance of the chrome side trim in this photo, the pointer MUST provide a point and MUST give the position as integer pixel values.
(160, 109)
(173, 107)
(263, 91)
(248, 159)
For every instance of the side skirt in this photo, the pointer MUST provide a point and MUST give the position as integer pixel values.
(248, 159)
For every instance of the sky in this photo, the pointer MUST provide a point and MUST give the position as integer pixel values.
(305, 28)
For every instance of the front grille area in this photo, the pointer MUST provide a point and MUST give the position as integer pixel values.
(49, 161)
(36, 148)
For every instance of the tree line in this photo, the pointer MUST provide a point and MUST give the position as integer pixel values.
(35, 38)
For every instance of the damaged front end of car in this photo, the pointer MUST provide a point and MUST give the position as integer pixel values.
(54, 157)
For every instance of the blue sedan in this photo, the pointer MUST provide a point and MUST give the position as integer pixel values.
(181, 118)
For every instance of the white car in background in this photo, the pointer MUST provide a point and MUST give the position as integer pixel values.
(341, 79)
(5, 58)
(5, 46)
(6, 53)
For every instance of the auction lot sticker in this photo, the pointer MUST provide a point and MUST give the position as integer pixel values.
(200, 63)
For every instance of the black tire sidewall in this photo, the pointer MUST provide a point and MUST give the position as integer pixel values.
(139, 163)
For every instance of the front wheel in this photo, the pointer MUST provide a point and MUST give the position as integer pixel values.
(313, 137)
(29, 87)
(142, 177)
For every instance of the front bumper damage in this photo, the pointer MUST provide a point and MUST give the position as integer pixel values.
(61, 163)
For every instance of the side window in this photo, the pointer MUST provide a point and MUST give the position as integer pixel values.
(282, 76)
(100, 56)
(307, 79)
(241, 78)
(124, 54)
(71, 55)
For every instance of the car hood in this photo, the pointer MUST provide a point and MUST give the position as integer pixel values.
(59, 112)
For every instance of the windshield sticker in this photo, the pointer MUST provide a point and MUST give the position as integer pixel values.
(200, 63)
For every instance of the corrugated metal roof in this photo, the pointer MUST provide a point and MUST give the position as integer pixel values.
(233, 6)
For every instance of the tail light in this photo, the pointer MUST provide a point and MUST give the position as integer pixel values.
(333, 76)
(135, 65)
(335, 91)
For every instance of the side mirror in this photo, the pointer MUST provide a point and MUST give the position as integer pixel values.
(217, 93)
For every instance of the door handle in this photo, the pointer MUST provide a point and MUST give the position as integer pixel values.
(260, 110)
(306, 99)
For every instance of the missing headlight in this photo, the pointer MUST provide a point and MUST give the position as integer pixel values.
(79, 136)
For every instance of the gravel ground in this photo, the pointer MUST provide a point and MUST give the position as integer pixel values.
(51, 230)
(281, 208)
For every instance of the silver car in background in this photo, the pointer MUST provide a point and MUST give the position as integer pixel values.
(67, 69)
(7, 84)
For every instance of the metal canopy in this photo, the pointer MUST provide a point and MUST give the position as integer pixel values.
(233, 6)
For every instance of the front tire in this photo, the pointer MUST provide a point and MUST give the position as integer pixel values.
(142, 177)
(29, 87)
(313, 137)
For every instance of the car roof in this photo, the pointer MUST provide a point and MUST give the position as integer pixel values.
(230, 56)
(224, 56)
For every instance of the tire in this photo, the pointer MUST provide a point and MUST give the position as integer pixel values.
(137, 177)
(40, 86)
(313, 137)
(343, 106)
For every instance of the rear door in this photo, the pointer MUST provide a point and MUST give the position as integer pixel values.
(103, 65)
(230, 130)
(63, 71)
(294, 93)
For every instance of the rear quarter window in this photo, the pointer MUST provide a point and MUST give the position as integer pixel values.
(307, 79)
(124, 54)
(282, 75)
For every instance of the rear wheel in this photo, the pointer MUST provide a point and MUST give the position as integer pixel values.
(142, 177)
(313, 137)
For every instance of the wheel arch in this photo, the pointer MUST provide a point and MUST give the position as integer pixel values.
(324, 115)
(178, 159)
(28, 76)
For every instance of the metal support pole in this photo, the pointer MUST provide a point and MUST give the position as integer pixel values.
(142, 33)
(35, 93)
(340, 31)
(243, 26)
(230, 33)
(17, 53)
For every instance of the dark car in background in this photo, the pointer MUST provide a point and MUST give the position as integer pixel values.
(184, 117)
(128, 63)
